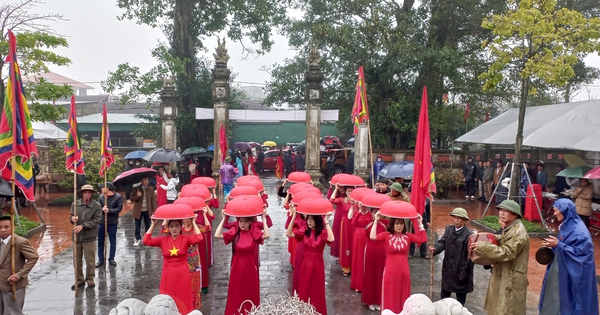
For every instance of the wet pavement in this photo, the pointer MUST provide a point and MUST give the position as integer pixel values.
(138, 271)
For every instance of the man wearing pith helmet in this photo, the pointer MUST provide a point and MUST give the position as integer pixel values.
(457, 268)
(507, 290)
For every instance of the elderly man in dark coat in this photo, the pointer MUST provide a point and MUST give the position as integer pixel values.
(457, 268)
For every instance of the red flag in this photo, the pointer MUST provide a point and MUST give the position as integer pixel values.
(467, 111)
(73, 151)
(423, 169)
(360, 111)
(222, 143)
(487, 116)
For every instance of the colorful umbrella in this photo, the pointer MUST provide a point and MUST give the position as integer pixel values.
(593, 174)
(139, 154)
(133, 176)
(574, 161)
(254, 144)
(575, 172)
(241, 146)
(270, 144)
(194, 150)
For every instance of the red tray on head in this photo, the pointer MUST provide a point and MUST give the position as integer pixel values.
(347, 180)
(398, 209)
(209, 182)
(375, 200)
(251, 182)
(299, 177)
(296, 198)
(245, 206)
(243, 191)
(196, 203)
(359, 193)
(298, 187)
(311, 206)
(250, 176)
(173, 212)
(195, 191)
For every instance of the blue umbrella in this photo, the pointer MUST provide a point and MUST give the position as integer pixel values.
(136, 155)
(350, 141)
(397, 169)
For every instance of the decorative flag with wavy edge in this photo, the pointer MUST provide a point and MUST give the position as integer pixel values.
(16, 131)
(73, 151)
(467, 111)
(423, 175)
(106, 151)
(222, 143)
(360, 110)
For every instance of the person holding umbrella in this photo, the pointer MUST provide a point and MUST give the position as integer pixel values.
(144, 205)
(112, 204)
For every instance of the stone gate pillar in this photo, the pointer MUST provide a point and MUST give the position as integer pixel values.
(314, 97)
(220, 96)
(168, 114)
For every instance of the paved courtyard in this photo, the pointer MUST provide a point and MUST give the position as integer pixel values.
(138, 272)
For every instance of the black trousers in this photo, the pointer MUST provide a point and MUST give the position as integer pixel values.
(585, 219)
(460, 297)
(470, 188)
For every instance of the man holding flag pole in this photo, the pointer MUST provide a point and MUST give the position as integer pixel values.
(17, 144)
(423, 175)
(110, 200)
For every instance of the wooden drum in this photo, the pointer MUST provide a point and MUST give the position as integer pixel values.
(481, 237)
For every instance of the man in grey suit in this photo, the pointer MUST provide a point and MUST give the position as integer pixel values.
(25, 258)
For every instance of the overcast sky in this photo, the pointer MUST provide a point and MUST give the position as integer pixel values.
(98, 42)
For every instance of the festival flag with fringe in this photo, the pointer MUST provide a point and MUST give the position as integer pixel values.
(73, 151)
(423, 175)
(16, 131)
(222, 143)
(106, 151)
(360, 110)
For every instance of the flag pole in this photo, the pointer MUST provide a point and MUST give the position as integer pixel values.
(105, 214)
(74, 234)
(371, 155)
(432, 245)
(12, 223)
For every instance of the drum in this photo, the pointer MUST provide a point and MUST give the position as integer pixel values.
(481, 237)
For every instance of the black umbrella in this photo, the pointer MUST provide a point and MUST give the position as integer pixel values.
(5, 189)
(133, 176)
(163, 155)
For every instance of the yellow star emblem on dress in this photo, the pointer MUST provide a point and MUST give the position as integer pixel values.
(174, 251)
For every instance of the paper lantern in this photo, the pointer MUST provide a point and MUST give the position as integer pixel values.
(299, 177)
(296, 198)
(209, 182)
(196, 191)
(173, 212)
(299, 187)
(251, 182)
(359, 193)
(398, 209)
(196, 203)
(310, 206)
(245, 206)
(375, 200)
(243, 191)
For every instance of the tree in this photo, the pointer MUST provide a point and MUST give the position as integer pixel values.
(186, 23)
(36, 43)
(540, 42)
(91, 156)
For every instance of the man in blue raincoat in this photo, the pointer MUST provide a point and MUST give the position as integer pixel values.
(569, 285)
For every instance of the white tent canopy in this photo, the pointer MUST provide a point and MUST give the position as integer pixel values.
(266, 115)
(574, 126)
(47, 130)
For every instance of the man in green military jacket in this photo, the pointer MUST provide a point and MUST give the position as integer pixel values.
(507, 290)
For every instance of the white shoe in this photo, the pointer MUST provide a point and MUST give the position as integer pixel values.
(472, 198)
(372, 307)
(467, 197)
(137, 243)
(377, 307)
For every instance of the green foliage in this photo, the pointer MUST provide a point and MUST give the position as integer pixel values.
(151, 130)
(36, 46)
(537, 40)
(445, 180)
(91, 155)
(26, 226)
(531, 227)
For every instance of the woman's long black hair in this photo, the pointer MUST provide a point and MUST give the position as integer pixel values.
(319, 226)
(236, 238)
(390, 226)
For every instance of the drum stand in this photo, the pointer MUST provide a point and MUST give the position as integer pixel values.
(508, 195)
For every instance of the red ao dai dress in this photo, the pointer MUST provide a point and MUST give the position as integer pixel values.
(359, 222)
(311, 286)
(205, 247)
(195, 268)
(243, 278)
(175, 277)
(345, 233)
(374, 266)
(396, 275)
